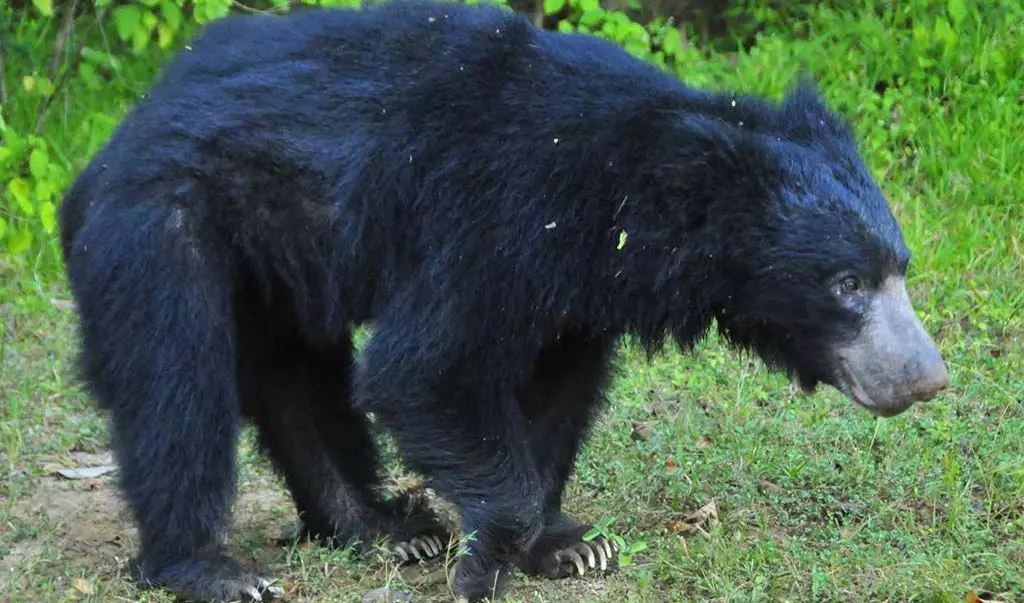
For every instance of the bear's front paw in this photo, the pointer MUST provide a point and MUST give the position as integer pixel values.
(561, 552)
(416, 532)
(209, 576)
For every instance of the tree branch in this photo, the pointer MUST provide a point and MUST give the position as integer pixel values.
(3, 80)
(62, 36)
(66, 25)
(538, 14)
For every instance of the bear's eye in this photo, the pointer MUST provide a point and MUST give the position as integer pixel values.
(848, 285)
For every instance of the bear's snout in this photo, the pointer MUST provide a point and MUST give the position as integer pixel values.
(893, 363)
(930, 378)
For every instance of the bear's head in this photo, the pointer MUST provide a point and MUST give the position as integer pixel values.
(810, 261)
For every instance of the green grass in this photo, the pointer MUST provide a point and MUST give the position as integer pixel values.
(817, 501)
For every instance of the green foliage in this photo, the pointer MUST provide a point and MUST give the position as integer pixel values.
(625, 550)
(900, 71)
(657, 41)
(32, 190)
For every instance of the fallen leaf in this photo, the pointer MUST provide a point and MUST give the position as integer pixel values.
(674, 527)
(670, 463)
(386, 595)
(767, 486)
(86, 472)
(641, 431)
(983, 597)
(996, 353)
(700, 521)
(83, 586)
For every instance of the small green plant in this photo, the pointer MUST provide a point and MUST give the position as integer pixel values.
(10, 432)
(625, 550)
(32, 186)
(657, 41)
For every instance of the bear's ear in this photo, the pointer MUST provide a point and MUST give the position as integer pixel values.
(806, 115)
(707, 161)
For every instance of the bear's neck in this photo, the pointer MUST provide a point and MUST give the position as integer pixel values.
(660, 285)
(671, 231)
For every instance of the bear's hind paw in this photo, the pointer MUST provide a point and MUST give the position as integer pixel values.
(420, 548)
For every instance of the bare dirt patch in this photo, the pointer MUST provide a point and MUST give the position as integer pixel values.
(87, 524)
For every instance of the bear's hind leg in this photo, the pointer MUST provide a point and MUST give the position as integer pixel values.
(300, 398)
(158, 353)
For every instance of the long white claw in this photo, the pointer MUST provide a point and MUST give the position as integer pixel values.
(438, 543)
(602, 556)
(412, 548)
(422, 548)
(415, 544)
(254, 595)
(276, 592)
(572, 556)
(428, 546)
(431, 541)
(268, 588)
(583, 548)
(608, 547)
(400, 552)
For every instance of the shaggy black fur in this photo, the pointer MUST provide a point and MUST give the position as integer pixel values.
(501, 203)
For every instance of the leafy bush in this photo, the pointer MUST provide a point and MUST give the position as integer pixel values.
(72, 68)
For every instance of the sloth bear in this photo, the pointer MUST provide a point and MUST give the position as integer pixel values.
(500, 204)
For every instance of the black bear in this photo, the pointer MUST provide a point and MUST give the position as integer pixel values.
(500, 204)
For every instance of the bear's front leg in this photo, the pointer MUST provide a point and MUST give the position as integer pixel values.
(450, 404)
(560, 401)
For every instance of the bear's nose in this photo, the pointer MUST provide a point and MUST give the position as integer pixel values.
(932, 379)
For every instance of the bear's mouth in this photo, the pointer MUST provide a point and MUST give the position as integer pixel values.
(846, 382)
